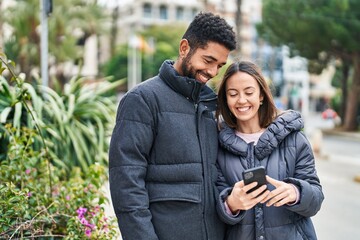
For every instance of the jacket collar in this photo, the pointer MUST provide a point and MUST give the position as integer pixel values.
(188, 87)
(282, 126)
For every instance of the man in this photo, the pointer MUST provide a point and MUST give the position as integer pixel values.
(164, 145)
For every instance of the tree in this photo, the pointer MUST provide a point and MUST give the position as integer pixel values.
(70, 24)
(238, 23)
(319, 30)
(165, 40)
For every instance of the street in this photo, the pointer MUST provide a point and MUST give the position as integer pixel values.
(339, 217)
(339, 163)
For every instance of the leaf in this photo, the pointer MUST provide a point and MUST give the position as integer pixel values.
(2, 69)
(71, 107)
(4, 114)
(17, 115)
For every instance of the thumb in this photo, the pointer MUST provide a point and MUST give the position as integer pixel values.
(272, 181)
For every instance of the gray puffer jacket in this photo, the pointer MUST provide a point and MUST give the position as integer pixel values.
(162, 156)
(287, 155)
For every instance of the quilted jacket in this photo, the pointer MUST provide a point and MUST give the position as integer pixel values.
(163, 160)
(287, 155)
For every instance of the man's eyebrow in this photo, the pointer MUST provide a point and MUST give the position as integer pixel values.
(209, 57)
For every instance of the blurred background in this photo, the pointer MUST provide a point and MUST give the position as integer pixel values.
(308, 50)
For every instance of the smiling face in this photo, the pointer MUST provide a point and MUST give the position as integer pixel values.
(202, 64)
(243, 98)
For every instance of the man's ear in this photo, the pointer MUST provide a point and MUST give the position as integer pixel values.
(184, 48)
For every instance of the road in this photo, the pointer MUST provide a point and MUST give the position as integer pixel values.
(339, 217)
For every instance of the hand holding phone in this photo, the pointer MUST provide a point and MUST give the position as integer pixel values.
(256, 174)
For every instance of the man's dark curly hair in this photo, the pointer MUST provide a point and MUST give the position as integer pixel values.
(207, 27)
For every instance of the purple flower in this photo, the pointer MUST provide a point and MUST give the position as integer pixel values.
(84, 222)
(88, 232)
(91, 226)
(27, 171)
(67, 197)
(81, 212)
(29, 194)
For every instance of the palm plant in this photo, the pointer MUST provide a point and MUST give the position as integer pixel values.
(75, 124)
(70, 22)
(81, 120)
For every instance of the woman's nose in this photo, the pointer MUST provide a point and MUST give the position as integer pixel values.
(241, 99)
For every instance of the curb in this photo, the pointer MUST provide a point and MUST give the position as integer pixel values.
(335, 132)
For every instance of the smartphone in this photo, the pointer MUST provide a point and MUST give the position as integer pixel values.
(256, 174)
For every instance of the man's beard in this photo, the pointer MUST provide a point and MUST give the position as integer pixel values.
(186, 67)
(190, 72)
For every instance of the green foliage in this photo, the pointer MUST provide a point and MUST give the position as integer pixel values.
(38, 197)
(81, 120)
(117, 66)
(75, 123)
(165, 41)
(37, 201)
(69, 25)
(312, 27)
(320, 31)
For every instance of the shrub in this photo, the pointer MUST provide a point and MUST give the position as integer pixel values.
(75, 124)
(38, 197)
(37, 200)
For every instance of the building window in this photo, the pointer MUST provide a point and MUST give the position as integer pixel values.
(180, 13)
(147, 10)
(194, 11)
(163, 12)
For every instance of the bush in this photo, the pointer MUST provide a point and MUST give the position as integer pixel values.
(37, 200)
(75, 124)
(39, 197)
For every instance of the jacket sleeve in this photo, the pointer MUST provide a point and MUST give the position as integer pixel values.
(225, 190)
(130, 145)
(306, 179)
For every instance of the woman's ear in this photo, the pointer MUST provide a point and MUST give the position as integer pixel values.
(261, 99)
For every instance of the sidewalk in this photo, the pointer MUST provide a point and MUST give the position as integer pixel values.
(314, 122)
(338, 132)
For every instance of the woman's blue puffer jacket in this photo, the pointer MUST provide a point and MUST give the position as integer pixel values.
(286, 154)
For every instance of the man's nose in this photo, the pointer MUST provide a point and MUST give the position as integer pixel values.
(213, 71)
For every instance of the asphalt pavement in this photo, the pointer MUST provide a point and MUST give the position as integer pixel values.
(338, 164)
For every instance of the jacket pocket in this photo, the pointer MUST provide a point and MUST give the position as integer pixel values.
(188, 192)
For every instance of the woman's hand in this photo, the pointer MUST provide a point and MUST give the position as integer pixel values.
(284, 193)
(239, 199)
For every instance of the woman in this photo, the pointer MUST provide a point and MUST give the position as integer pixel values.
(253, 133)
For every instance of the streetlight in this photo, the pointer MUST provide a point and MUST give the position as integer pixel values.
(46, 9)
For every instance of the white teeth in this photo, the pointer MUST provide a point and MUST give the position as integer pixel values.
(203, 78)
(243, 109)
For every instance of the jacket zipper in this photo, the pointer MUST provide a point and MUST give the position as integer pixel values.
(206, 171)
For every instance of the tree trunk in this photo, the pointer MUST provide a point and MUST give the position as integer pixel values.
(238, 23)
(344, 88)
(114, 31)
(350, 123)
